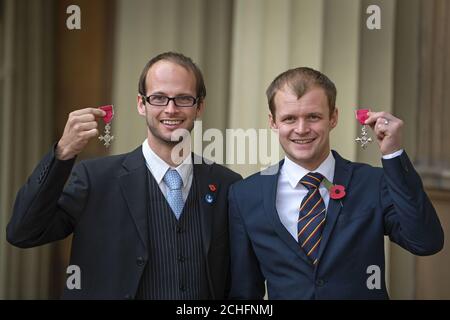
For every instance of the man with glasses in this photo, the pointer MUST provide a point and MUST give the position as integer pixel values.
(148, 224)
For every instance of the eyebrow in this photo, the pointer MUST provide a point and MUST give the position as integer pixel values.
(161, 93)
(314, 114)
(306, 115)
(287, 115)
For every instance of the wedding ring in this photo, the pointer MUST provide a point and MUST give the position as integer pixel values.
(386, 122)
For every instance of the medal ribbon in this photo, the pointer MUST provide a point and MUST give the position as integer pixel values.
(361, 115)
(109, 113)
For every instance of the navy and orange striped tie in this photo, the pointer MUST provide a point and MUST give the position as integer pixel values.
(312, 216)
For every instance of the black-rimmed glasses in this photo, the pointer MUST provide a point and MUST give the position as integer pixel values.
(162, 101)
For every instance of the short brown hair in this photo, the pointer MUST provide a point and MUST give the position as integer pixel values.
(300, 80)
(181, 60)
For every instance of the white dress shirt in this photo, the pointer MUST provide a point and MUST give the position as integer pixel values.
(158, 168)
(291, 192)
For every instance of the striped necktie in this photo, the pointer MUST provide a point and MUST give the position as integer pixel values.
(311, 217)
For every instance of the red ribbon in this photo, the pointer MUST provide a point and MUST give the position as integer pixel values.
(109, 113)
(361, 115)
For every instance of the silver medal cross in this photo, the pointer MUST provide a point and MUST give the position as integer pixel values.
(364, 140)
(107, 138)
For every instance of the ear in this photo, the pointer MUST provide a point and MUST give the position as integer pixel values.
(272, 123)
(334, 118)
(201, 106)
(140, 106)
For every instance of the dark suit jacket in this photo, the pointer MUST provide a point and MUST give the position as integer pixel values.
(379, 201)
(104, 205)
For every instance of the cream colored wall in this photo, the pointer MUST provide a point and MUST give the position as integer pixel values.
(376, 84)
(341, 63)
(405, 100)
(260, 50)
(376, 76)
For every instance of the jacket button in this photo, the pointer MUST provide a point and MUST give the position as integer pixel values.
(181, 258)
(140, 261)
(182, 288)
(179, 230)
(320, 282)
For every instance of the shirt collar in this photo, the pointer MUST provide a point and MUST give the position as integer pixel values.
(295, 172)
(158, 167)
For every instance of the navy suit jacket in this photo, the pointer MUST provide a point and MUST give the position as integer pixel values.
(379, 201)
(104, 205)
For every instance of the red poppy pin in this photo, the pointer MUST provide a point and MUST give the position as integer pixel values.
(336, 191)
(212, 187)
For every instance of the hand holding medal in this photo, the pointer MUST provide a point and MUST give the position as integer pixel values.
(388, 131)
(81, 126)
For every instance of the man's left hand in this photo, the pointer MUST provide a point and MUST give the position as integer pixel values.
(388, 130)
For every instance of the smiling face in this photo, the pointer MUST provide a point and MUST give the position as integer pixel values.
(169, 79)
(304, 125)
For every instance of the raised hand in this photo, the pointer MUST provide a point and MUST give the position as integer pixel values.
(81, 126)
(388, 131)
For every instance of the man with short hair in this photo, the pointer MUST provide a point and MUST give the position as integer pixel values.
(315, 228)
(146, 224)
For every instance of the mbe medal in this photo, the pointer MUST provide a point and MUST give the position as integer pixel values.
(362, 116)
(107, 137)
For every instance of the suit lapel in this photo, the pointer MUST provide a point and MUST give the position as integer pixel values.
(270, 196)
(342, 176)
(133, 183)
(203, 178)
